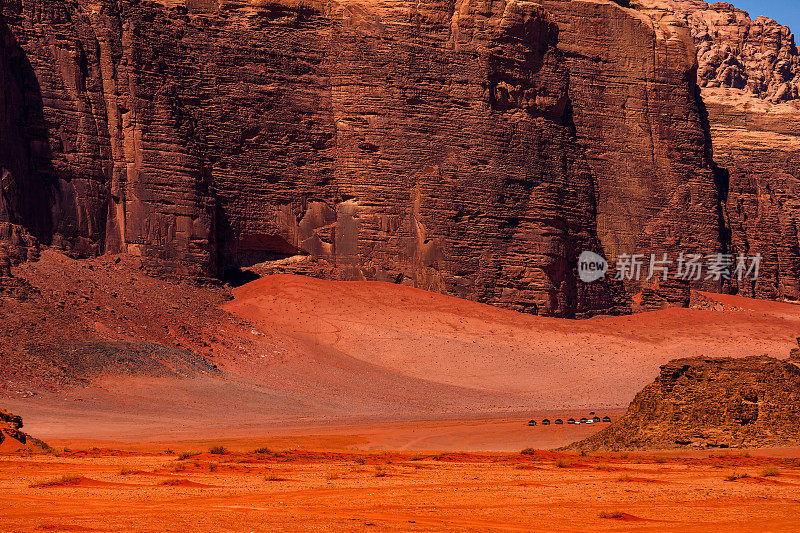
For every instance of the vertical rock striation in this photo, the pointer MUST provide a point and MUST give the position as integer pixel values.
(472, 148)
(749, 71)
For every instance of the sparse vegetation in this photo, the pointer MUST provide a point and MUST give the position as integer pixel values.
(563, 463)
(263, 449)
(187, 455)
(528, 451)
(359, 460)
(63, 481)
(273, 477)
(380, 471)
(332, 476)
(614, 515)
(180, 467)
(737, 476)
(127, 472)
(770, 471)
(625, 478)
(218, 450)
(172, 482)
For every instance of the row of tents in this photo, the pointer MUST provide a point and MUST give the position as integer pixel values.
(558, 421)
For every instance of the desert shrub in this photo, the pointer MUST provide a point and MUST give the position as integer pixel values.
(770, 471)
(563, 463)
(187, 455)
(528, 451)
(616, 515)
(273, 477)
(263, 449)
(380, 471)
(736, 476)
(172, 482)
(218, 450)
(63, 481)
(126, 472)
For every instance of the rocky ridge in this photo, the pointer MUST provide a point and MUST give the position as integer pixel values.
(758, 57)
(11, 438)
(705, 402)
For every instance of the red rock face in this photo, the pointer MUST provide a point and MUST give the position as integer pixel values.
(757, 56)
(11, 438)
(704, 402)
(759, 150)
(472, 149)
(749, 71)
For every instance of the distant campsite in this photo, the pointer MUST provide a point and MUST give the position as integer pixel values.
(591, 419)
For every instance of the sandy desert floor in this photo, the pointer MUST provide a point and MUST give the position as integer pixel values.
(103, 490)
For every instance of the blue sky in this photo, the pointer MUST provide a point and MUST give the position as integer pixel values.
(784, 11)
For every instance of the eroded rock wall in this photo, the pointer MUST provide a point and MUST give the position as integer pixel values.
(473, 148)
(757, 56)
(749, 72)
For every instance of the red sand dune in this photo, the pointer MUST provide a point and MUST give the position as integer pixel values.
(374, 365)
(535, 362)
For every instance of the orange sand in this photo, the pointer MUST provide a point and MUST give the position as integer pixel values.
(296, 491)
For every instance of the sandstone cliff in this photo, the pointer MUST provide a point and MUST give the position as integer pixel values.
(757, 56)
(472, 149)
(705, 402)
(749, 72)
(468, 148)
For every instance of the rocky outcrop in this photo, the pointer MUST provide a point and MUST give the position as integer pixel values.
(758, 57)
(11, 438)
(11, 286)
(705, 402)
